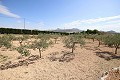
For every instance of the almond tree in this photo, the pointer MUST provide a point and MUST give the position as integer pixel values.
(100, 39)
(23, 51)
(55, 37)
(21, 38)
(113, 40)
(91, 37)
(41, 45)
(71, 40)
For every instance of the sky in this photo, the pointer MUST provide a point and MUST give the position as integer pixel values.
(103, 15)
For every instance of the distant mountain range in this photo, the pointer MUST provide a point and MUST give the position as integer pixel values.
(76, 30)
(67, 30)
(111, 31)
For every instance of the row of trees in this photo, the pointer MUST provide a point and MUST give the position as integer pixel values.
(25, 31)
(111, 40)
(91, 31)
(43, 41)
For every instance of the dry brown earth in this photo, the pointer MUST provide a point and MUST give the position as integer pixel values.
(86, 65)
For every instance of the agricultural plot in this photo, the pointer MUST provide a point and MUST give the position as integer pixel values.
(59, 57)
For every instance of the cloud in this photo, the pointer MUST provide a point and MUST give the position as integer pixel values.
(91, 21)
(78, 23)
(114, 21)
(4, 10)
(105, 23)
(74, 23)
(107, 27)
(100, 19)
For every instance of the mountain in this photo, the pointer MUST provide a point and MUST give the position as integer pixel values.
(67, 30)
(111, 31)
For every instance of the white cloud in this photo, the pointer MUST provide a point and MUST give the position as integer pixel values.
(106, 23)
(101, 19)
(108, 27)
(4, 10)
(114, 21)
(90, 21)
(74, 23)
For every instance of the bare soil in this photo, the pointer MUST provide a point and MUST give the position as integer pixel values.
(87, 64)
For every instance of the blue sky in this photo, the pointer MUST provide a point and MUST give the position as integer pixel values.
(52, 14)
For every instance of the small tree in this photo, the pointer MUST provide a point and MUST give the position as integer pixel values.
(55, 37)
(91, 37)
(113, 40)
(108, 40)
(22, 38)
(100, 39)
(71, 40)
(5, 41)
(23, 51)
(41, 45)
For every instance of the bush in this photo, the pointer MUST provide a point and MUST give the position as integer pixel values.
(5, 41)
(43, 36)
(23, 51)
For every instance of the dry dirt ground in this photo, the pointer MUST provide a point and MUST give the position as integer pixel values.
(86, 65)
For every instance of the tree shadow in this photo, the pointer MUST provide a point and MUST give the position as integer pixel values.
(64, 56)
(92, 48)
(107, 55)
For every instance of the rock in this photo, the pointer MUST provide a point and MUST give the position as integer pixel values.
(33, 57)
(63, 57)
(24, 62)
(113, 74)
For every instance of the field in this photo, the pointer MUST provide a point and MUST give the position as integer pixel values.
(58, 63)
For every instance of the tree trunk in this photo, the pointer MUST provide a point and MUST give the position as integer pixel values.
(116, 47)
(93, 40)
(20, 43)
(40, 53)
(99, 44)
(55, 41)
(116, 50)
(73, 47)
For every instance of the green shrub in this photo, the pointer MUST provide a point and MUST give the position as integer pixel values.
(5, 41)
(23, 51)
(43, 36)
